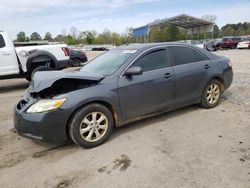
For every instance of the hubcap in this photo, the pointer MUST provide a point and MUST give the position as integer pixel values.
(93, 126)
(213, 93)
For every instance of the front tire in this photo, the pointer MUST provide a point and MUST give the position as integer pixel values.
(212, 94)
(91, 126)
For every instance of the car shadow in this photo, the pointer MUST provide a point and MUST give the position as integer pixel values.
(149, 121)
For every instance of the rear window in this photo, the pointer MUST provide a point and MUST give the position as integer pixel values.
(236, 39)
(183, 55)
(2, 43)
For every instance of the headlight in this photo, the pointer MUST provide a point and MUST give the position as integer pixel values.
(45, 105)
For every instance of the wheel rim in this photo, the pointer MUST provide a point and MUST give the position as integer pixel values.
(213, 93)
(93, 126)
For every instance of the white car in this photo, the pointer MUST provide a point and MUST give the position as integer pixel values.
(245, 43)
(24, 61)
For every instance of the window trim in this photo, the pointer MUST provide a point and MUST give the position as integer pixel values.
(1, 36)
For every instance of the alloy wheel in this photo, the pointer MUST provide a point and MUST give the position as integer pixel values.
(93, 126)
(213, 93)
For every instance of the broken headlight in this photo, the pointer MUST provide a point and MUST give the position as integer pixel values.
(46, 105)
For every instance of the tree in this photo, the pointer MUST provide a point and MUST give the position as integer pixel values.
(116, 39)
(71, 41)
(73, 32)
(227, 30)
(127, 37)
(48, 36)
(157, 34)
(216, 31)
(60, 38)
(167, 33)
(107, 36)
(99, 40)
(21, 36)
(35, 36)
(89, 37)
(27, 39)
(235, 29)
(172, 33)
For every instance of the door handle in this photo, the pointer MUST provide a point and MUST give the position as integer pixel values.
(207, 66)
(167, 75)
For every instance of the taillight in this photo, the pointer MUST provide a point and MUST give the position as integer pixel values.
(66, 51)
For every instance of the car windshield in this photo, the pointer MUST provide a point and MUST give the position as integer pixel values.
(107, 63)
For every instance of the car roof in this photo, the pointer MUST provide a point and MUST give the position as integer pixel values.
(139, 46)
(232, 37)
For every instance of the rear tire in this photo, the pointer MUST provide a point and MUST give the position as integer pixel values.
(76, 62)
(91, 126)
(212, 94)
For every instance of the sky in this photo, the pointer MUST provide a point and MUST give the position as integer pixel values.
(116, 15)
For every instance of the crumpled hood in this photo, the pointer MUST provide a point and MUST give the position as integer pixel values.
(46, 79)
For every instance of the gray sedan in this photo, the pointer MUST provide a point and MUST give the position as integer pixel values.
(123, 85)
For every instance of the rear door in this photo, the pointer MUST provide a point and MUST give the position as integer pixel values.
(191, 73)
(8, 64)
(150, 92)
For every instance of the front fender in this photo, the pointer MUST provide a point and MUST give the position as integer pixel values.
(80, 98)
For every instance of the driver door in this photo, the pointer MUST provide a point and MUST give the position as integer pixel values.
(149, 92)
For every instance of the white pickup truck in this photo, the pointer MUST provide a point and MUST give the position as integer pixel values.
(24, 61)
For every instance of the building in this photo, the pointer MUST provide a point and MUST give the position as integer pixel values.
(193, 25)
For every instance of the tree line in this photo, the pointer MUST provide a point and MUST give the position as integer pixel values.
(74, 37)
(174, 33)
(157, 34)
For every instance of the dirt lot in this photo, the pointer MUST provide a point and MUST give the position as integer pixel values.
(190, 147)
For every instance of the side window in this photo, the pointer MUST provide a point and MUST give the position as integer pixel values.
(2, 43)
(152, 61)
(183, 55)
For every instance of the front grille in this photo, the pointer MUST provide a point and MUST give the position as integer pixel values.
(21, 104)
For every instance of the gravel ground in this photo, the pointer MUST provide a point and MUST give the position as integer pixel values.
(190, 147)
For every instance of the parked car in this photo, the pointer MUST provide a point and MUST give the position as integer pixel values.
(123, 85)
(244, 43)
(25, 61)
(229, 42)
(78, 57)
(99, 49)
(212, 46)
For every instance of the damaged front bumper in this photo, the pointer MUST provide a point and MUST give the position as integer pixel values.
(48, 126)
(51, 125)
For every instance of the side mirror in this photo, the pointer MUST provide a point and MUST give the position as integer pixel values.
(133, 71)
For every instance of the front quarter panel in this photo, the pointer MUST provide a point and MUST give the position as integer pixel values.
(103, 92)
